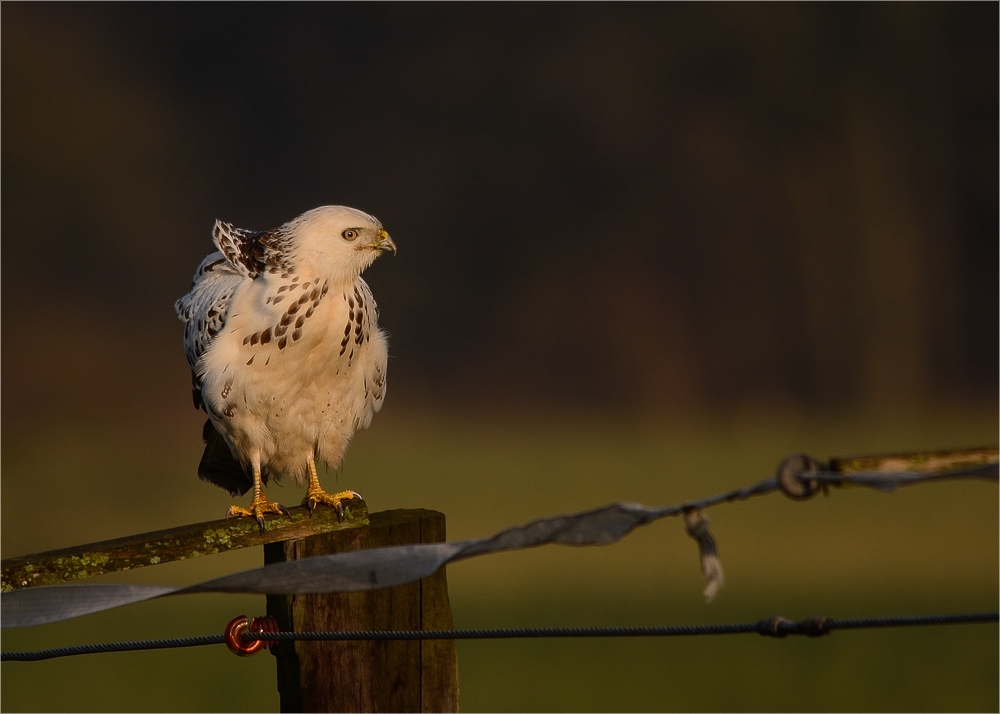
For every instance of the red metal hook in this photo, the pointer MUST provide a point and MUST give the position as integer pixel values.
(239, 626)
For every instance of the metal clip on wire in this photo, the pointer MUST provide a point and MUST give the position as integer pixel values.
(793, 476)
(240, 626)
(782, 627)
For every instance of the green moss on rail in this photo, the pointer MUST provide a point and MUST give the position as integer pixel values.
(85, 561)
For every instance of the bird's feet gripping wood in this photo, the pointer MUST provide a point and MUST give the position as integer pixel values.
(316, 495)
(257, 510)
(260, 504)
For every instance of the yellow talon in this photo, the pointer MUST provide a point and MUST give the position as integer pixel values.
(316, 495)
(259, 506)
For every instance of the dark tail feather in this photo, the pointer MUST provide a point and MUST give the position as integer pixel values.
(196, 392)
(219, 466)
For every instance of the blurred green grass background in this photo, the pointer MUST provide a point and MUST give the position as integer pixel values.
(929, 548)
(765, 220)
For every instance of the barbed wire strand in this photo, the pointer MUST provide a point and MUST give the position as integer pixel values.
(773, 627)
(879, 480)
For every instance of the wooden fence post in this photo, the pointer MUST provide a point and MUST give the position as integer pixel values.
(367, 676)
(405, 676)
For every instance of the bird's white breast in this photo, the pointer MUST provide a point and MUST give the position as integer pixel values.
(299, 365)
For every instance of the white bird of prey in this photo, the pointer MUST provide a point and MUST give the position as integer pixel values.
(286, 355)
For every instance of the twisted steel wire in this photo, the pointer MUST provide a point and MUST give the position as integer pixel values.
(515, 632)
(903, 621)
(112, 647)
(773, 627)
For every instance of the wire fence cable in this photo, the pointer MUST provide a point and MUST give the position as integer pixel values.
(773, 627)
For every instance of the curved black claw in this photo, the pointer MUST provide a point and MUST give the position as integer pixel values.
(340, 511)
(284, 511)
(260, 523)
(312, 506)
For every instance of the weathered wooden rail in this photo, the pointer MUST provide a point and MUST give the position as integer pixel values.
(182, 543)
(408, 676)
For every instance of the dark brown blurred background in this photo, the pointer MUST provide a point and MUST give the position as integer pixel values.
(645, 251)
(646, 207)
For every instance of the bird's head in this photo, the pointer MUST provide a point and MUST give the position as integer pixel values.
(337, 241)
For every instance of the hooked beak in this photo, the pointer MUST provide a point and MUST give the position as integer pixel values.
(384, 243)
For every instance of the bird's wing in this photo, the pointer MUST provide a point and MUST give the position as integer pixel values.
(375, 388)
(375, 367)
(253, 252)
(203, 310)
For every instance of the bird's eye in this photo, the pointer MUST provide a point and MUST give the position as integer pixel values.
(350, 234)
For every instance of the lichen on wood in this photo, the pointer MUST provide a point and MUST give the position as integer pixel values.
(182, 543)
